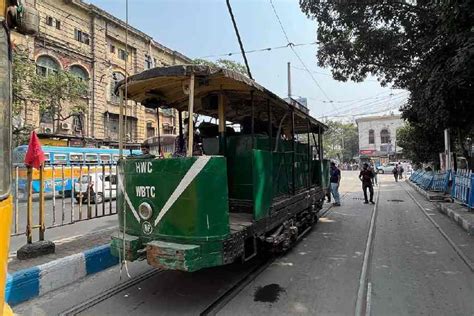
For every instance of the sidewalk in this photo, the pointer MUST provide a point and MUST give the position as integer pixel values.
(74, 259)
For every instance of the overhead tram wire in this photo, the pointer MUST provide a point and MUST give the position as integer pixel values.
(325, 74)
(229, 8)
(257, 50)
(291, 46)
(364, 105)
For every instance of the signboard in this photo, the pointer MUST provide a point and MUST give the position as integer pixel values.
(367, 151)
(76, 143)
(53, 142)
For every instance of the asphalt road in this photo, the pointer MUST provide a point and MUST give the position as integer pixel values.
(412, 270)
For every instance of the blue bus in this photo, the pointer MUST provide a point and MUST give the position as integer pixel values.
(63, 165)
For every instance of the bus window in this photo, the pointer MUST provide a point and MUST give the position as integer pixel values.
(104, 158)
(116, 158)
(60, 159)
(91, 158)
(76, 158)
(47, 158)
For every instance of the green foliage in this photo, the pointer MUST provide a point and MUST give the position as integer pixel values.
(426, 47)
(223, 63)
(341, 141)
(418, 145)
(61, 94)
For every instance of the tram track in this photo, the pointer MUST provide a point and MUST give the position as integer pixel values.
(213, 307)
(453, 245)
(109, 293)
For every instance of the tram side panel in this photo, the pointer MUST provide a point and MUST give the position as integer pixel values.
(188, 217)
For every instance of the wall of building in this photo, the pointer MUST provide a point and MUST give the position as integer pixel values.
(377, 124)
(74, 33)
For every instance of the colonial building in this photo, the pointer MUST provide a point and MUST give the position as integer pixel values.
(94, 45)
(378, 136)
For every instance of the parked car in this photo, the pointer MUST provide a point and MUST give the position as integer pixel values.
(386, 168)
(97, 186)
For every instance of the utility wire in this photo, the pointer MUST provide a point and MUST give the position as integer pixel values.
(229, 8)
(291, 45)
(258, 50)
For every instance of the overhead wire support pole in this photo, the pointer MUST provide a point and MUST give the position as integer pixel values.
(238, 38)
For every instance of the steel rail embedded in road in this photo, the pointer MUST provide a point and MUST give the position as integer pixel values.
(458, 251)
(109, 293)
(362, 293)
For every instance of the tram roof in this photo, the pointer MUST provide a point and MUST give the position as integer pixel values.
(164, 87)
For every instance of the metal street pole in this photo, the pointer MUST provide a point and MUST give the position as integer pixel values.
(289, 81)
(447, 149)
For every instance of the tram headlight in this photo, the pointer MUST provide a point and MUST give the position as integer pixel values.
(145, 211)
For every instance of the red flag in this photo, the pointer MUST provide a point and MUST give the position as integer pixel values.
(35, 155)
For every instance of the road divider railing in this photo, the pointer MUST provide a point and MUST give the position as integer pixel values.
(463, 187)
(59, 195)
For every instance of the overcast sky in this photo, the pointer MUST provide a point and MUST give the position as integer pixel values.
(199, 28)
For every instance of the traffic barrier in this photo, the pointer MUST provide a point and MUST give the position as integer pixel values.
(427, 180)
(463, 187)
(29, 283)
(68, 194)
(441, 181)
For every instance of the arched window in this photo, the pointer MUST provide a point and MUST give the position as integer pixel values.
(384, 136)
(79, 72)
(46, 66)
(116, 78)
(371, 136)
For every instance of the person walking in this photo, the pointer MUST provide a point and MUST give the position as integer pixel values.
(365, 176)
(395, 173)
(374, 174)
(335, 179)
(400, 172)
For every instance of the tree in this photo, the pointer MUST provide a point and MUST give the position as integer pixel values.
(223, 63)
(419, 146)
(59, 95)
(341, 141)
(425, 47)
(23, 73)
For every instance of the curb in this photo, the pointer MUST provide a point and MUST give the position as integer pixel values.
(443, 208)
(465, 224)
(29, 283)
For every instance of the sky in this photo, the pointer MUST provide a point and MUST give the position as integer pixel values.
(200, 28)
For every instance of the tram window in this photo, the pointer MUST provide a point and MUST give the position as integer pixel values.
(5, 117)
(104, 158)
(115, 158)
(60, 159)
(76, 158)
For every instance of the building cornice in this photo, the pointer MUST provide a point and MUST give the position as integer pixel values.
(107, 16)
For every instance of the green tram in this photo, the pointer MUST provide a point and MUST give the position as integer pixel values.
(256, 181)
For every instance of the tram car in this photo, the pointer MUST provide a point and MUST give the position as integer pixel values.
(253, 179)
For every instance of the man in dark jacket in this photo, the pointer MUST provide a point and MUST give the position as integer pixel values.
(366, 177)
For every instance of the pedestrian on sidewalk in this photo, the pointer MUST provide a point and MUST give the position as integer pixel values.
(335, 179)
(395, 173)
(365, 177)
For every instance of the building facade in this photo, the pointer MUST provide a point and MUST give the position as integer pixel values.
(94, 45)
(378, 136)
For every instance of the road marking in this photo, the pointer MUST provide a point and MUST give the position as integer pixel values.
(125, 195)
(195, 169)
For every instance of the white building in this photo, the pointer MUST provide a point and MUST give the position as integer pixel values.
(378, 136)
